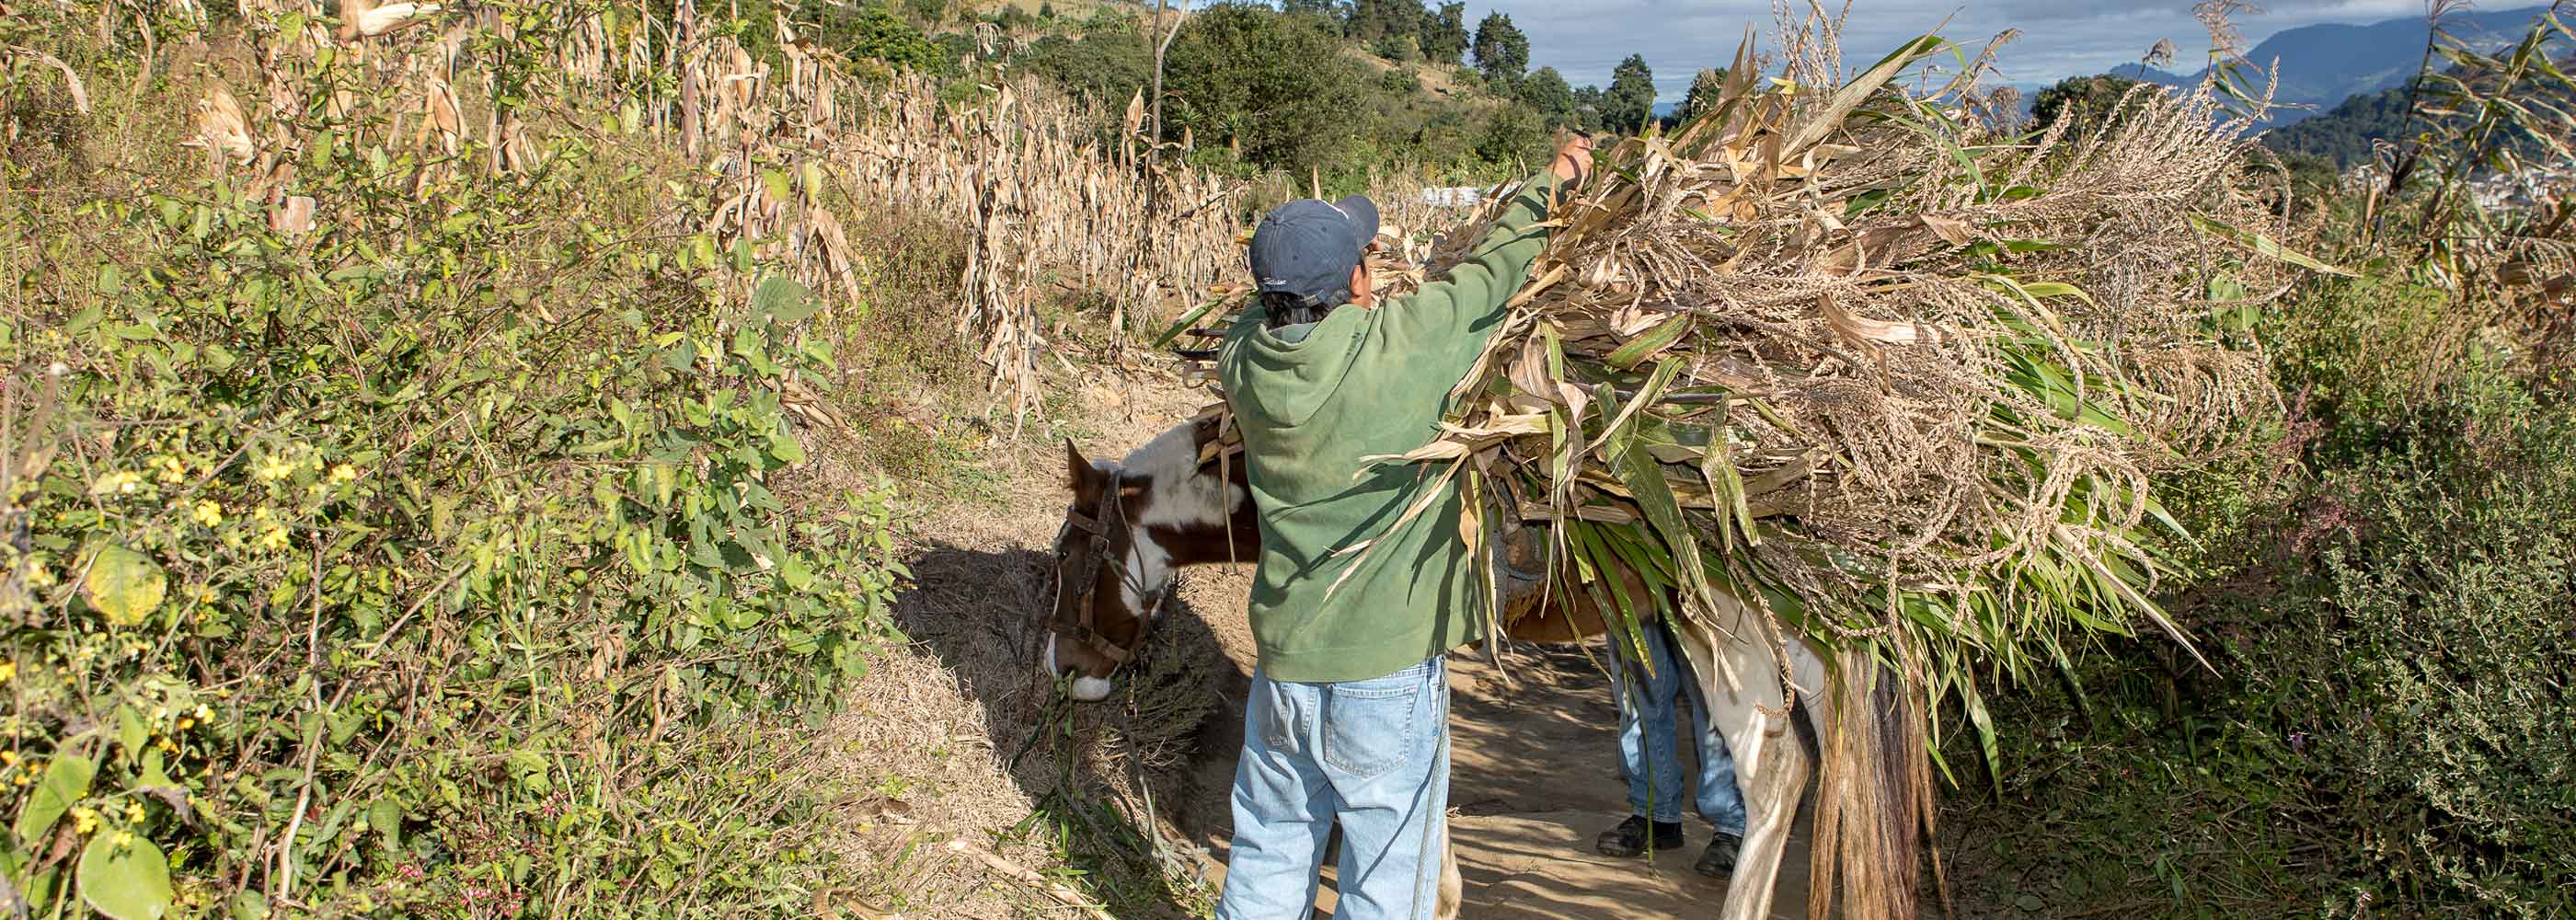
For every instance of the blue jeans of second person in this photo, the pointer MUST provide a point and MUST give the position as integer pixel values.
(1370, 754)
(1648, 748)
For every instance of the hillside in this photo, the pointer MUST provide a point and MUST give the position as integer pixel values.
(2347, 134)
(2322, 65)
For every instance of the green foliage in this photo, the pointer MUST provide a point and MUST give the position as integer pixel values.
(1545, 92)
(867, 30)
(1444, 36)
(1399, 47)
(1705, 89)
(1277, 82)
(1399, 81)
(448, 559)
(1514, 135)
(1502, 51)
(1110, 66)
(2391, 644)
(1373, 20)
(1589, 103)
(1630, 101)
(2082, 101)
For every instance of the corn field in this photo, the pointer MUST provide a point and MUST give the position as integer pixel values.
(790, 149)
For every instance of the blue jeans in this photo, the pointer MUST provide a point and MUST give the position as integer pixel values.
(1647, 747)
(1371, 754)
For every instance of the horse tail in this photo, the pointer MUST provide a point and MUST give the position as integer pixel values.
(1874, 801)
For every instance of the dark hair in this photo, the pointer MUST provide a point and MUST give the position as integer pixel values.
(1281, 308)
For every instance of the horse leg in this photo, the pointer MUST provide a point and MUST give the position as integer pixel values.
(1770, 765)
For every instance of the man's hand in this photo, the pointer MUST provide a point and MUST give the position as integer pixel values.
(1574, 159)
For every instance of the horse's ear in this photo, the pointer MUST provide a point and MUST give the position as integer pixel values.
(1075, 467)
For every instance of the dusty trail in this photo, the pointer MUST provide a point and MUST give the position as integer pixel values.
(1535, 754)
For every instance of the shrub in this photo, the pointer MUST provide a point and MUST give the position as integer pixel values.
(445, 559)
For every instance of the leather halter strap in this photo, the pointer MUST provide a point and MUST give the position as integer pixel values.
(1080, 629)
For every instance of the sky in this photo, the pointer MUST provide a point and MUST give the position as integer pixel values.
(1584, 39)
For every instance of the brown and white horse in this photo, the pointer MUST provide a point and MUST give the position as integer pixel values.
(1175, 502)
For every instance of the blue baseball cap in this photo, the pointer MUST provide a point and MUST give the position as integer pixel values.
(1308, 247)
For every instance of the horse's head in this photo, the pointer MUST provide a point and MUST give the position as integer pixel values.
(1110, 578)
(1129, 526)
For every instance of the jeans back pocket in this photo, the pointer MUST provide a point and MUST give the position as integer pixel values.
(1372, 727)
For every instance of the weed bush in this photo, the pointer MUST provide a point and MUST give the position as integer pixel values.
(2385, 731)
(430, 562)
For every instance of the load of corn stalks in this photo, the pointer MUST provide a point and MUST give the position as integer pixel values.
(1876, 361)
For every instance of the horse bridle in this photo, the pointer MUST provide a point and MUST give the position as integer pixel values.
(1096, 526)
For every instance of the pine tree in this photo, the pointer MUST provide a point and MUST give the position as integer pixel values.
(1444, 37)
(1631, 99)
(1502, 52)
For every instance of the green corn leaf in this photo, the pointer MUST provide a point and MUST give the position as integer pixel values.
(1662, 336)
(2266, 246)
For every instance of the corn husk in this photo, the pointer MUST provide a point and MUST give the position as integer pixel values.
(1847, 351)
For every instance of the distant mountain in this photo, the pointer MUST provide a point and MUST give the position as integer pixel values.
(2348, 135)
(2322, 65)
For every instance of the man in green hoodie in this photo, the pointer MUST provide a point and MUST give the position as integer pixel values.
(1363, 580)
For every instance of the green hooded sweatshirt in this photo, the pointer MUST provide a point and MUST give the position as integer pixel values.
(1313, 399)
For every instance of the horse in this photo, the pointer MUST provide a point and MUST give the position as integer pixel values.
(1179, 501)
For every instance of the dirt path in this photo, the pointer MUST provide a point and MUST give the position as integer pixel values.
(1534, 755)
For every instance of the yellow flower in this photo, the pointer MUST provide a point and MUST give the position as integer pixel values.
(275, 468)
(201, 712)
(344, 473)
(208, 513)
(8, 669)
(173, 470)
(274, 538)
(84, 820)
(123, 838)
(167, 747)
(8, 757)
(121, 482)
(134, 812)
(185, 723)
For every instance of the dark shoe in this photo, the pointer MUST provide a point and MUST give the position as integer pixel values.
(1719, 860)
(1629, 838)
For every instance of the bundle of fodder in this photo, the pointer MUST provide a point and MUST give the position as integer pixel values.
(1856, 355)
(1863, 356)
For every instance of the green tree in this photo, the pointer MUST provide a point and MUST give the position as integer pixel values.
(1332, 10)
(1588, 105)
(1444, 37)
(1279, 83)
(1502, 52)
(2082, 99)
(1704, 90)
(1513, 137)
(1110, 65)
(1631, 99)
(1546, 93)
(1396, 46)
(1374, 20)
